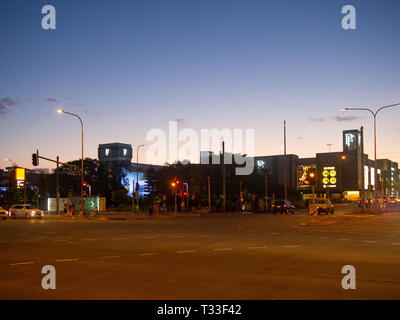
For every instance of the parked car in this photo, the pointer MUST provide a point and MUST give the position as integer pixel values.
(3, 213)
(283, 206)
(25, 211)
(324, 206)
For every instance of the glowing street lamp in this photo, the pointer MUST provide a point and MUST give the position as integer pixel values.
(61, 111)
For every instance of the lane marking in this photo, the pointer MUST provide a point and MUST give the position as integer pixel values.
(21, 263)
(253, 248)
(369, 241)
(120, 238)
(109, 257)
(274, 233)
(291, 246)
(90, 239)
(178, 236)
(343, 239)
(186, 251)
(396, 243)
(148, 254)
(67, 260)
(223, 249)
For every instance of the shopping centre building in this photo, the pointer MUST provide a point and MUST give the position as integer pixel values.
(341, 175)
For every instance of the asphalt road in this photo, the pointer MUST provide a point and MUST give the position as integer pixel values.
(258, 256)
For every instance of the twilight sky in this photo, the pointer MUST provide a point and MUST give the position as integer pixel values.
(129, 66)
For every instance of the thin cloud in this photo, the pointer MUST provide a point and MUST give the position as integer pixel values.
(346, 118)
(5, 105)
(51, 100)
(317, 119)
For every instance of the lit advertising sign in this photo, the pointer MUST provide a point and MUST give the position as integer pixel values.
(302, 173)
(20, 174)
(329, 177)
(351, 140)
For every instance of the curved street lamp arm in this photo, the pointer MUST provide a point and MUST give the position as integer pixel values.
(384, 107)
(361, 109)
(73, 114)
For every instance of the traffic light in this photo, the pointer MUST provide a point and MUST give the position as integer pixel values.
(35, 159)
(84, 184)
(312, 176)
(175, 183)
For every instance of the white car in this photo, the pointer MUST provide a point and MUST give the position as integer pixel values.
(25, 211)
(3, 213)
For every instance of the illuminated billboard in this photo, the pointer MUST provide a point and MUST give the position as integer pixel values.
(351, 140)
(302, 175)
(329, 177)
(20, 174)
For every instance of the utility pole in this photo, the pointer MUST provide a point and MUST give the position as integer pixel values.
(266, 189)
(285, 161)
(133, 196)
(223, 178)
(176, 205)
(209, 194)
(362, 169)
(58, 187)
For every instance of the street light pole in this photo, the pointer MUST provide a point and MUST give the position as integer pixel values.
(137, 174)
(82, 172)
(374, 114)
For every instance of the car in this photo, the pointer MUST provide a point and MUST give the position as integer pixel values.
(283, 206)
(324, 206)
(25, 211)
(3, 213)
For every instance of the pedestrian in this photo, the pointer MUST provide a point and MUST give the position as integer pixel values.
(73, 211)
(65, 209)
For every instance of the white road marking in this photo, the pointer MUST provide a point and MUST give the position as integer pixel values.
(253, 248)
(67, 260)
(291, 246)
(178, 236)
(369, 241)
(222, 249)
(21, 263)
(109, 257)
(148, 254)
(343, 239)
(396, 243)
(186, 251)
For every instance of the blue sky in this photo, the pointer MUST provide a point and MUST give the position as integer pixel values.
(130, 66)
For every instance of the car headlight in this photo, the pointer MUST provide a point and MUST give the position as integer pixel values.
(32, 212)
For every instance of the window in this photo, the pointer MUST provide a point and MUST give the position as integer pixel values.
(107, 152)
